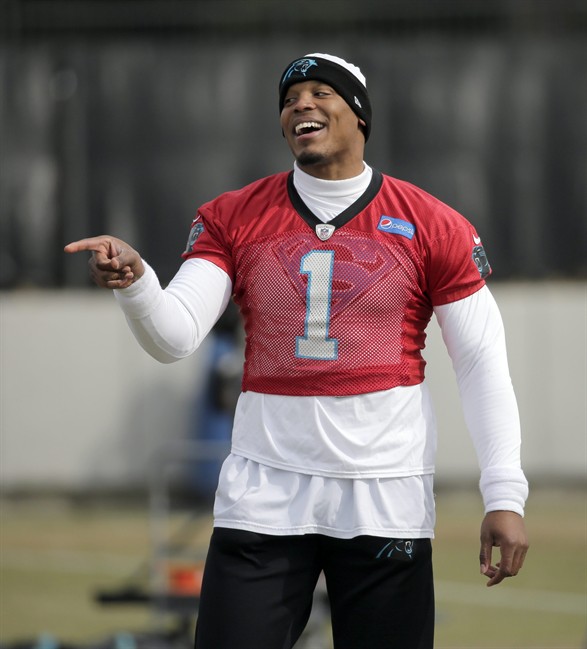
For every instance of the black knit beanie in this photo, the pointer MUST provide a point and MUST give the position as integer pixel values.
(338, 75)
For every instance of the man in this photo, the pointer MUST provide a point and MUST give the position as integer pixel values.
(337, 270)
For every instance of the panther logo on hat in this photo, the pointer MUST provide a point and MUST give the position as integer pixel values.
(301, 65)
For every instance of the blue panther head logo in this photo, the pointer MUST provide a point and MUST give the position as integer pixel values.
(301, 66)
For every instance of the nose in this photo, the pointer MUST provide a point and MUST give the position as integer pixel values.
(305, 101)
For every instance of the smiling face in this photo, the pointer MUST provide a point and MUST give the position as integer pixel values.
(322, 131)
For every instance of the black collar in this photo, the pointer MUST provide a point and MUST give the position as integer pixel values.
(346, 215)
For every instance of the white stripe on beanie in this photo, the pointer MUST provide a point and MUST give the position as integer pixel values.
(353, 69)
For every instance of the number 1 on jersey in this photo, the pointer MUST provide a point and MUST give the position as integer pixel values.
(318, 266)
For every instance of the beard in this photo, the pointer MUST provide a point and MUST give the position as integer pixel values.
(307, 159)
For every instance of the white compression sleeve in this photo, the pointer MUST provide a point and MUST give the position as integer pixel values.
(473, 332)
(170, 324)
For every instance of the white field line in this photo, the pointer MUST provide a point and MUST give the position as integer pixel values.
(500, 596)
(446, 591)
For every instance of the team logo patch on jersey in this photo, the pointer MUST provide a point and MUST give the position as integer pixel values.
(324, 231)
(396, 226)
(195, 232)
(481, 261)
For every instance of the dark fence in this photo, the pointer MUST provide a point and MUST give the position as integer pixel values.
(123, 116)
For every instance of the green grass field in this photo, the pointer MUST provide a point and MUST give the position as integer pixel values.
(55, 555)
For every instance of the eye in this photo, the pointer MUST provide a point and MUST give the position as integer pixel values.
(288, 101)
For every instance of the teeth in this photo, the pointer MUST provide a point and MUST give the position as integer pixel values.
(305, 125)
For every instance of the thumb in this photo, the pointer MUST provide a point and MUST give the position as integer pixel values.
(118, 254)
(121, 257)
(113, 249)
(485, 553)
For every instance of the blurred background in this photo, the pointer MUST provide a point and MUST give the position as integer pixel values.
(123, 116)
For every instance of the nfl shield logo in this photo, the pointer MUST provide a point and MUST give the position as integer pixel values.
(324, 231)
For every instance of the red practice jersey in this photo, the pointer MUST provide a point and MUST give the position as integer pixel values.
(338, 308)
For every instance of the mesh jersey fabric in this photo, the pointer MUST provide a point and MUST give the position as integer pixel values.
(345, 315)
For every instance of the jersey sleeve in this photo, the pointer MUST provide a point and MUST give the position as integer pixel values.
(457, 262)
(208, 240)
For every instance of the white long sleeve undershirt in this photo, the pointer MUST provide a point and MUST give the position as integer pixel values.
(170, 324)
(472, 330)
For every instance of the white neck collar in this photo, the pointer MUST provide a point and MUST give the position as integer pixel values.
(331, 189)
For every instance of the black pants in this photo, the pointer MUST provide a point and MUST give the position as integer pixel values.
(257, 591)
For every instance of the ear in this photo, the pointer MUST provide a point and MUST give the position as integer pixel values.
(363, 128)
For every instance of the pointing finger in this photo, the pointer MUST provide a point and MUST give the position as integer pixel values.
(93, 244)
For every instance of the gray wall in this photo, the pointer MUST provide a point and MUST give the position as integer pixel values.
(83, 407)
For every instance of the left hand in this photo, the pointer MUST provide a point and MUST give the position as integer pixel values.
(505, 530)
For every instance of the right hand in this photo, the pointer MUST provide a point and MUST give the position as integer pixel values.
(113, 264)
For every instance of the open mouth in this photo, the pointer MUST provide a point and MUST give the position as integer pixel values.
(303, 128)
